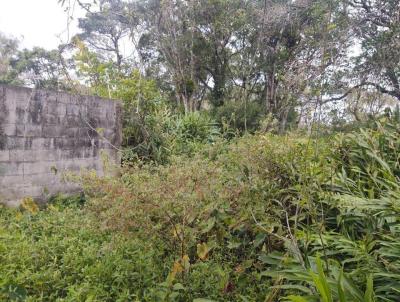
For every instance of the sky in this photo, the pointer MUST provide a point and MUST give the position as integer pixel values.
(41, 23)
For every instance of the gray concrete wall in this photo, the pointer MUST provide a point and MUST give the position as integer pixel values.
(45, 133)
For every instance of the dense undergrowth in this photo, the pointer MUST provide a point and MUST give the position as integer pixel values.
(263, 218)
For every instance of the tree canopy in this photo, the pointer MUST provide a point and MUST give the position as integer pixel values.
(280, 58)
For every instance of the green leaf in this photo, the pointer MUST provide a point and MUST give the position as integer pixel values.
(202, 250)
(369, 291)
(302, 288)
(178, 286)
(271, 258)
(234, 245)
(259, 239)
(296, 299)
(342, 296)
(321, 283)
(209, 226)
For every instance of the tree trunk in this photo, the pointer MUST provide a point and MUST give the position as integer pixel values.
(270, 94)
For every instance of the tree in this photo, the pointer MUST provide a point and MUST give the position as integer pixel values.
(104, 30)
(8, 51)
(376, 24)
(299, 44)
(218, 25)
(40, 68)
(174, 40)
(194, 40)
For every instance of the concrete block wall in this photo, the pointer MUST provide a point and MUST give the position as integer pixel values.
(45, 133)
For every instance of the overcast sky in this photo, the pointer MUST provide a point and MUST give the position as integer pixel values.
(37, 22)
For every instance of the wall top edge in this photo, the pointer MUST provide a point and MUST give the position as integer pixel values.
(24, 89)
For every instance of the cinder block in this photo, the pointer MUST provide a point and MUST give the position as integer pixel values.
(11, 181)
(11, 169)
(31, 113)
(20, 130)
(51, 119)
(32, 130)
(33, 191)
(72, 121)
(8, 111)
(56, 109)
(71, 133)
(53, 131)
(15, 192)
(66, 154)
(42, 167)
(18, 95)
(4, 155)
(33, 155)
(63, 143)
(73, 109)
(10, 203)
(43, 143)
(8, 129)
(65, 187)
(17, 143)
(45, 179)
(19, 156)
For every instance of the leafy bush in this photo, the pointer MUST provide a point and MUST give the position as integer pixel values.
(202, 211)
(240, 116)
(354, 219)
(147, 136)
(192, 131)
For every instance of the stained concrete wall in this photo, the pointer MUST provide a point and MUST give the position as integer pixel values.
(44, 134)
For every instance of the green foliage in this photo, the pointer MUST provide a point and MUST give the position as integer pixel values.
(57, 254)
(37, 67)
(357, 219)
(8, 49)
(192, 131)
(261, 218)
(368, 161)
(146, 136)
(146, 116)
(40, 68)
(241, 116)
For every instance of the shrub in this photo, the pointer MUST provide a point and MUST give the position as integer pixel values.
(192, 131)
(202, 211)
(240, 116)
